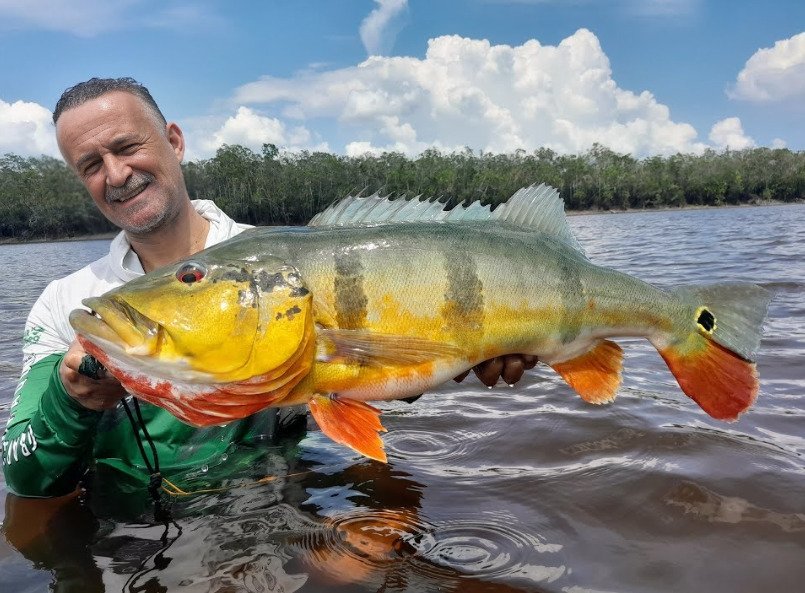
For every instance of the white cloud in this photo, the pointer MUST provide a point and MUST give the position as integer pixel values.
(774, 74)
(779, 143)
(27, 130)
(729, 134)
(380, 28)
(88, 18)
(496, 98)
(250, 129)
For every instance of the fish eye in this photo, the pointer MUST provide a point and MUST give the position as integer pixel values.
(191, 272)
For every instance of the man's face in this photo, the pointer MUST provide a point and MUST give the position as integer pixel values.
(129, 162)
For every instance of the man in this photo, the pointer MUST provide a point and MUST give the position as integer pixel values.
(114, 137)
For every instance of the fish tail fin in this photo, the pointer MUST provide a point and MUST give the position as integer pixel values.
(711, 350)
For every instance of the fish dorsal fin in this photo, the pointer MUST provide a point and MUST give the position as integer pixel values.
(537, 207)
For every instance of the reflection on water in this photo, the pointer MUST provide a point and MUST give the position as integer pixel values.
(525, 489)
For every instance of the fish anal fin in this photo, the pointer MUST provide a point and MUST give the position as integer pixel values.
(349, 422)
(596, 374)
(723, 383)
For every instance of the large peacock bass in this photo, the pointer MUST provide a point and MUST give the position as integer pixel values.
(382, 299)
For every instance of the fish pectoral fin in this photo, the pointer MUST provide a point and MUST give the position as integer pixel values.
(322, 314)
(350, 422)
(596, 374)
(385, 349)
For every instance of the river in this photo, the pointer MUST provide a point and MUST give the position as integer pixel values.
(510, 489)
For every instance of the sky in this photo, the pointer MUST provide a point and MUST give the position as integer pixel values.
(643, 77)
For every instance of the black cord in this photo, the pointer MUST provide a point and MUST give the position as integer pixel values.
(134, 427)
(161, 510)
(147, 436)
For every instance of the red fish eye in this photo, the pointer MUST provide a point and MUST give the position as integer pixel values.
(191, 272)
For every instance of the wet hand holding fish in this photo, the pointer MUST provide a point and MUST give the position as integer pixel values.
(383, 299)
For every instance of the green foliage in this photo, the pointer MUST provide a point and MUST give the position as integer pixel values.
(41, 198)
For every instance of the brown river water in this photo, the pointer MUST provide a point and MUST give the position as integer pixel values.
(510, 489)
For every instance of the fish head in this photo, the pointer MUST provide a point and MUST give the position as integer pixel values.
(201, 320)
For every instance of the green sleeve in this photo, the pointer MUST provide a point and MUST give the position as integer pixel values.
(49, 438)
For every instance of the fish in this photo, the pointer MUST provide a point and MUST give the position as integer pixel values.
(382, 298)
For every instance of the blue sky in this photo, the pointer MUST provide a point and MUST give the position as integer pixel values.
(351, 76)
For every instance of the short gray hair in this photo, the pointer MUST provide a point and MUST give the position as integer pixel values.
(95, 87)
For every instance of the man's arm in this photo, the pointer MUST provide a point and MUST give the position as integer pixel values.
(48, 440)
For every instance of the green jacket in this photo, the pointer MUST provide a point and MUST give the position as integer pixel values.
(52, 440)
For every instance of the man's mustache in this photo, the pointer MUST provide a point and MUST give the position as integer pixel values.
(134, 185)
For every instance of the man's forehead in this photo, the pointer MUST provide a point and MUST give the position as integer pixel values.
(119, 106)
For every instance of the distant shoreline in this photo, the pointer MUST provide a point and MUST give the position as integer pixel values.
(94, 237)
(682, 208)
(102, 236)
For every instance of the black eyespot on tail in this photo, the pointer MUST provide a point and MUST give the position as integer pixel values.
(706, 320)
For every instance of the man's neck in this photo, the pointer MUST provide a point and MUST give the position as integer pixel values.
(183, 237)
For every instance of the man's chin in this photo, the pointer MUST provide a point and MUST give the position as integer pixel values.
(138, 219)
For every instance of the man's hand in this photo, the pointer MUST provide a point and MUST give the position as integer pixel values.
(94, 394)
(510, 368)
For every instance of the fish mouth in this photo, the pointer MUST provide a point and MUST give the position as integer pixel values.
(113, 322)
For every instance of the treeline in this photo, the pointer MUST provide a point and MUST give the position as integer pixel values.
(40, 198)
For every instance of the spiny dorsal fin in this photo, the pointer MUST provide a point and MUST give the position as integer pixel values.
(537, 207)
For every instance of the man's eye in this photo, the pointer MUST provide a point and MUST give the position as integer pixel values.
(91, 168)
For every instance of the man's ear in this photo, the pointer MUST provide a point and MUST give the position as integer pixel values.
(176, 139)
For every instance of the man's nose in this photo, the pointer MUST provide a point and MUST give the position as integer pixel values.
(117, 171)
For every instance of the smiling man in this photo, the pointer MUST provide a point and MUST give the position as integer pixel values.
(63, 422)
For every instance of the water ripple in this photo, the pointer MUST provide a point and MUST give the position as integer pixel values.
(490, 546)
(422, 445)
(364, 546)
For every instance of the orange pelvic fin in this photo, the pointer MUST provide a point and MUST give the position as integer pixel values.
(720, 381)
(351, 423)
(596, 374)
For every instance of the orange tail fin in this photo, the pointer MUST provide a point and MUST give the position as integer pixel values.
(711, 348)
(351, 423)
(720, 381)
(595, 375)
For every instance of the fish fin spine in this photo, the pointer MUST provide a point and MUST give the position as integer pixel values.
(596, 374)
(350, 422)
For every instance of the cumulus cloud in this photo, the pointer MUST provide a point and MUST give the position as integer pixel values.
(773, 73)
(779, 143)
(380, 28)
(496, 98)
(729, 134)
(27, 129)
(251, 129)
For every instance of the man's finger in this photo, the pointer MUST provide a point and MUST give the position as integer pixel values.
(489, 371)
(513, 369)
(462, 376)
